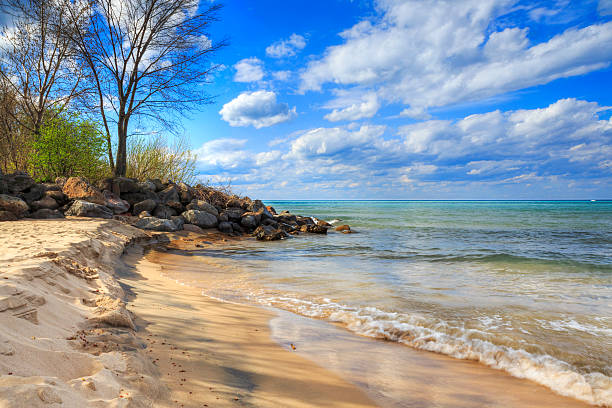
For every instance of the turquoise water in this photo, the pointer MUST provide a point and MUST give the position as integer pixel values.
(524, 287)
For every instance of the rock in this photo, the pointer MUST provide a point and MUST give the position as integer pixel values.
(234, 202)
(163, 211)
(176, 206)
(236, 227)
(234, 213)
(46, 213)
(52, 187)
(256, 206)
(7, 216)
(77, 188)
(12, 204)
(286, 217)
(45, 202)
(303, 220)
(201, 205)
(134, 198)
(156, 224)
(123, 185)
(193, 228)
(60, 181)
(271, 210)
(144, 214)
(18, 182)
(115, 203)
(57, 195)
(179, 221)
(270, 222)
(34, 193)
(268, 233)
(82, 208)
(226, 227)
(185, 192)
(202, 219)
(169, 194)
(159, 186)
(146, 205)
(249, 222)
(3, 184)
(146, 186)
(223, 217)
(343, 228)
(323, 223)
(313, 229)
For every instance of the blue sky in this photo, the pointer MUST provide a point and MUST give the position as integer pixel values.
(390, 99)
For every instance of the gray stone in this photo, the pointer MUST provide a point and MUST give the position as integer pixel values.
(185, 192)
(7, 216)
(45, 202)
(256, 206)
(179, 221)
(146, 186)
(156, 224)
(14, 205)
(202, 205)
(57, 195)
(223, 217)
(268, 233)
(226, 227)
(34, 193)
(249, 222)
(82, 208)
(115, 203)
(193, 228)
(134, 198)
(313, 229)
(18, 182)
(202, 219)
(146, 205)
(234, 213)
(236, 227)
(144, 214)
(46, 213)
(159, 186)
(163, 211)
(169, 194)
(125, 185)
(176, 206)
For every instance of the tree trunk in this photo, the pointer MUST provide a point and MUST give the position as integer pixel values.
(121, 159)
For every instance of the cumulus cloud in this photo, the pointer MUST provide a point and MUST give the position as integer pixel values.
(565, 146)
(348, 109)
(286, 48)
(249, 70)
(258, 109)
(435, 53)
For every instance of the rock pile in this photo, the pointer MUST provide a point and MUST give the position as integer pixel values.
(149, 205)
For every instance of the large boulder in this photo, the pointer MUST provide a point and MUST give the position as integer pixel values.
(202, 219)
(249, 222)
(163, 211)
(171, 193)
(34, 193)
(179, 221)
(159, 186)
(185, 192)
(256, 205)
(146, 186)
(146, 205)
(82, 208)
(115, 203)
(46, 214)
(57, 195)
(45, 202)
(14, 205)
(156, 224)
(3, 184)
(226, 227)
(268, 233)
(234, 213)
(77, 188)
(18, 182)
(123, 185)
(313, 229)
(176, 206)
(202, 205)
(193, 228)
(7, 216)
(134, 198)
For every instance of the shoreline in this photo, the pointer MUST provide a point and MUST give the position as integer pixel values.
(92, 322)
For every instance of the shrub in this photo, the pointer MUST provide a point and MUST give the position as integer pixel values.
(69, 146)
(150, 158)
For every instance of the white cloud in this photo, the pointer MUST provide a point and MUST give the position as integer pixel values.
(281, 75)
(249, 70)
(354, 110)
(605, 7)
(286, 48)
(258, 109)
(435, 53)
(226, 153)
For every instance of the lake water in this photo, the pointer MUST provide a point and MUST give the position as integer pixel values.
(523, 287)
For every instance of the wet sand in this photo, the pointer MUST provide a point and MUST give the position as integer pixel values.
(229, 358)
(217, 354)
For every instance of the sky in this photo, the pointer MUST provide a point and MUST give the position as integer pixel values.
(401, 99)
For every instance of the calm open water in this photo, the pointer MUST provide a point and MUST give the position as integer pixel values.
(525, 287)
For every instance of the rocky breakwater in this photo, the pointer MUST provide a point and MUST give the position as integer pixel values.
(149, 205)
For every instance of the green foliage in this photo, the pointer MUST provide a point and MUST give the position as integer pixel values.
(69, 146)
(151, 158)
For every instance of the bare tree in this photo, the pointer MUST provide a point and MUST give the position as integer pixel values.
(148, 60)
(38, 64)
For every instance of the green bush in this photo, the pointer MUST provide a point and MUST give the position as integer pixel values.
(69, 146)
(151, 158)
